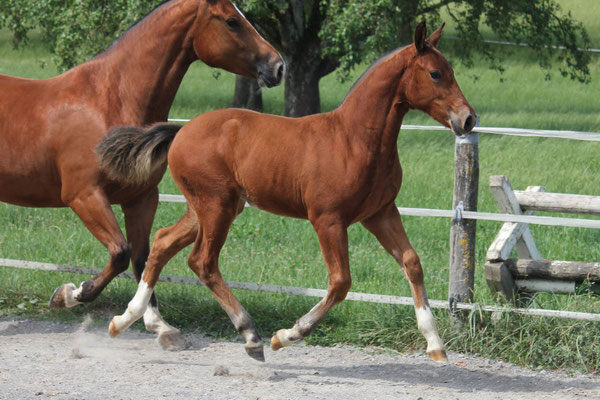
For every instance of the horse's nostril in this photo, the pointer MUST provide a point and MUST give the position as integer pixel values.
(280, 72)
(469, 123)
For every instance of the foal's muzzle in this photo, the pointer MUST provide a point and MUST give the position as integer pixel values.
(271, 73)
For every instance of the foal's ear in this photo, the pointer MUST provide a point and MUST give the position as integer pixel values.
(434, 38)
(420, 34)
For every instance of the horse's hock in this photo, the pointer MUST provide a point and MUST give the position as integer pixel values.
(510, 277)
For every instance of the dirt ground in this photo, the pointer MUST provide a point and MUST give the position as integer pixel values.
(47, 360)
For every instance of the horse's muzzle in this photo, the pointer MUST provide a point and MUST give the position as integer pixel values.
(463, 122)
(271, 73)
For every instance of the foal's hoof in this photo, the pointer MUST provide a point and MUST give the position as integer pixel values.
(173, 341)
(112, 329)
(59, 297)
(258, 353)
(438, 356)
(275, 343)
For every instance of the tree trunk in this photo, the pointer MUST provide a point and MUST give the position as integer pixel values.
(247, 94)
(302, 90)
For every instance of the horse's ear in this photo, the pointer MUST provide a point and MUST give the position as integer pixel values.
(420, 34)
(434, 38)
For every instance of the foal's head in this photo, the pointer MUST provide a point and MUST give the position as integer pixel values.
(431, 87)
(223, 37)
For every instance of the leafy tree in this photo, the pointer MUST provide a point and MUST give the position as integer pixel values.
(319, 36)
(73, 30)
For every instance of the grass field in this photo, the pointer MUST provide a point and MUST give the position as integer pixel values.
(269, 249)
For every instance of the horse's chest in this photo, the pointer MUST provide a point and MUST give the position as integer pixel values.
(375, 187)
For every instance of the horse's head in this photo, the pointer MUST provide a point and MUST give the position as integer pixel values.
(223, 38)
(431, 86)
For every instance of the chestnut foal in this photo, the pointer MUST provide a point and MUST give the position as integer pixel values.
(49, 128)
(333, 169)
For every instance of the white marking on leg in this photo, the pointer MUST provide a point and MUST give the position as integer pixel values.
(154, 322)
(426, 325)
(71, 294)
(306, 323)
(135, 309)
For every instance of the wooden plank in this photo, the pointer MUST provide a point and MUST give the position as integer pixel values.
(500, 280)
(546, 286)
(526, 247)
(576, 271)
(462, 231)
(511, 235)
(559, 202)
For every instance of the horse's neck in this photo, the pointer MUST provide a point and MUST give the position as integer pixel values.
(146, 66)
(372, 110)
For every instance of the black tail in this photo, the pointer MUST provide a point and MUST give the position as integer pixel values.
(132, 155)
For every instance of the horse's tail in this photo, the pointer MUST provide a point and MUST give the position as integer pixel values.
(133, 155)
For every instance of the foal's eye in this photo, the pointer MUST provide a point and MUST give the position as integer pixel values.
(435, 75)
(232, 23)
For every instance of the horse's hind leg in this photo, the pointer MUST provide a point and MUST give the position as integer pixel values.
(333, 238)
(94, 210)
(387, 227)
(167, 242)
(203, 260)
(139, 216)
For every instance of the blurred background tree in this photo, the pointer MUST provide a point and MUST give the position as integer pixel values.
(317, 37)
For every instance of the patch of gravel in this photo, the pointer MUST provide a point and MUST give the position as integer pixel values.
(49, 360)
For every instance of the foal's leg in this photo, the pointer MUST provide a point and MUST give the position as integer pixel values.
(139, 216)
(92, 206)
(387, 226)
(204, 261)
(333, 238)
(167, 242)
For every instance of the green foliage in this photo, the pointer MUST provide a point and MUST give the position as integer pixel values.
(358, 31)
(347, 32)
(73, 30)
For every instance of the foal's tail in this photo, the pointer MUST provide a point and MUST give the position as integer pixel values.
(133, 155)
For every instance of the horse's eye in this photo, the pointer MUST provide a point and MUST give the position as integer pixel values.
(435, 75)
(232, 23)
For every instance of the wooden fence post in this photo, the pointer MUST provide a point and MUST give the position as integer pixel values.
(462, 231)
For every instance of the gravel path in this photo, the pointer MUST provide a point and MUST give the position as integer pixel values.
(47, 360)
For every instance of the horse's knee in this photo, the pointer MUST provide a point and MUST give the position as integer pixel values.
(120, 257)
(339, 287)
(205, 267)
(412, 266)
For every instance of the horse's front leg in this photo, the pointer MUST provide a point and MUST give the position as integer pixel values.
(167, 242)
(139, 216)
(333, 239)
(387, 226)
(93, 208)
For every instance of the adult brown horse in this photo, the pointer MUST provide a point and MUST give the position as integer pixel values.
(50, 128)
(333, 169)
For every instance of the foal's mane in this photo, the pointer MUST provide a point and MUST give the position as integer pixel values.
(374, 65)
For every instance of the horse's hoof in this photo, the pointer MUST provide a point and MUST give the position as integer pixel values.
(59, 297)
(438, 356)
(275, 343)
(112, 329)
(173, 341)
(258, 353)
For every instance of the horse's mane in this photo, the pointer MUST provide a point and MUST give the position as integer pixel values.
(371, 68)
(133, 26)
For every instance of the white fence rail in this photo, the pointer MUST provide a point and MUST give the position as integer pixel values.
(300, 291)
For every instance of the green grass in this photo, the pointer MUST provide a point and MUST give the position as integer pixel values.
(270, 249)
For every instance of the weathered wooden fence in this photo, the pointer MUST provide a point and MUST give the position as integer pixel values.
(529, 273)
